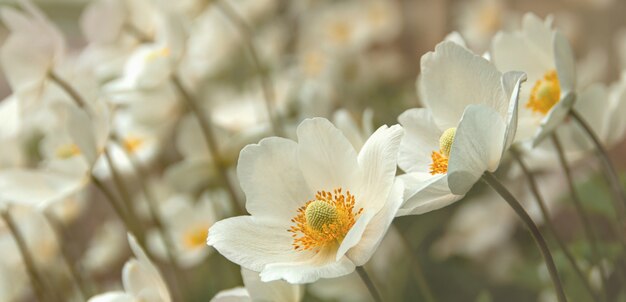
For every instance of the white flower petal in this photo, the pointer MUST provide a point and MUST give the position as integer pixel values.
(420, 139)
(277, 291)
(377, 227)
(555, 117)
(237, 294)
(454, 78)
(377, 167)
(271, 178)
(326, 157)
(565, 63)
(36, 187)
(511, 82)
(142, 276)
(477, 147)
(112, 297)
(424, 193)
(253, 244)
(310, 269)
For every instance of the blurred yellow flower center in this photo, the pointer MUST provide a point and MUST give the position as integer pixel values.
(324, 220)
(340, 32)
(132, 143)
(545, 94)
(440, 159)
(196, 236)
(67, 151)
(161, 52)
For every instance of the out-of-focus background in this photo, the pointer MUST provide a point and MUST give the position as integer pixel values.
(474, 250)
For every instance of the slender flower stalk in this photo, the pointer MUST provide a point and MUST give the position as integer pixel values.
(616, 187)
(369, 283)
(584, 217)
(266, 82)
(67, 88)
(110, 197)
(29, 263)
(534, 188)
(120, 184)
(416, 268)
(77, 277)
(493, 182)
(207, 131)
(158, 222)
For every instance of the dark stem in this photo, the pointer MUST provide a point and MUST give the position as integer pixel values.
(29, 263)
(369, 283)
(110, 197)
(616, 187)
(534, 188)
(60, 235)
(158, 222)
(68, 89)
(266, 82)
(493, 182)
(205, 122)
(416, 268)
(120, 184)
(582, 214)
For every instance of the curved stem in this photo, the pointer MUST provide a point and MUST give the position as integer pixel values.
(29, 263)
(534, 188)
(68, 89)
(369, 284)
(493, 182)
(616, 187)
(158, 222)
(266, 82)
(76, 276)
(110, 197)
(120, 184)
(207, 131)
(582, 214)
(416, 268)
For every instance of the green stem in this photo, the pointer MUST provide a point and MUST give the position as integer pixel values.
(266, 82)
(493, 182)
(59, 233)
(158, 222)
(582, 214)
(29, 263)
(369, 284)
(205, 122)
(534, 188)
(616, 187)
(422, 284)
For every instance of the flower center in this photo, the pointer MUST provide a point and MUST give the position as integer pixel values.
(196, 236)
(158, 53)
(324, 220)
(68, 150)
(132, 143)
(440, 159)
(545, 94)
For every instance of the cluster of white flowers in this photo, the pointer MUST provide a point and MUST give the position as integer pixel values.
(192, 126)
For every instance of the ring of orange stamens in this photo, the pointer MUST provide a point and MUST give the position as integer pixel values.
(545, 94)
(330, 217)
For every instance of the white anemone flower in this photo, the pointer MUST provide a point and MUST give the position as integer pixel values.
(187, 225)
(468, 123)
(141, 279)
(546, 56)
(318, 208)
(257, 290)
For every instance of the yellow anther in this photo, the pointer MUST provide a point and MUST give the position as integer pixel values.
(445, 141)
(67, 151)
(196, 236)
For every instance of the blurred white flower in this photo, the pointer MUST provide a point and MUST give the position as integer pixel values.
(187, 224)
(107, 246)
(468, 123)
(338, 228)
(257, 290)
(546, 56)
(141, 279)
